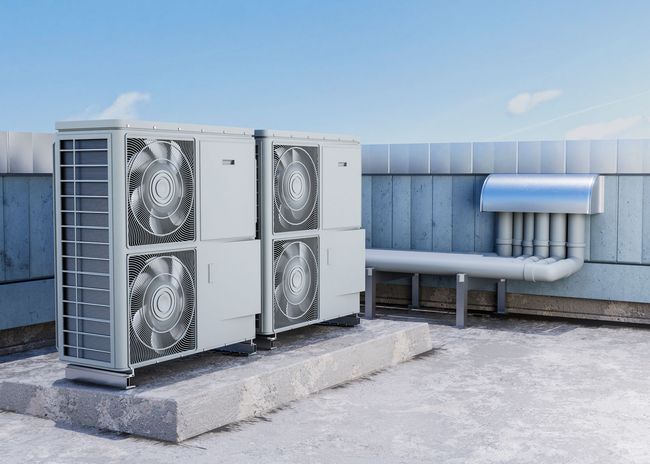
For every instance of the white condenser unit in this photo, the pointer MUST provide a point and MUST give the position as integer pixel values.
(156, 249)
(309, 223)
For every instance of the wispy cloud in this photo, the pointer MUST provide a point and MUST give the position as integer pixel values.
(606, 129)
(524, 102)
(125, 106)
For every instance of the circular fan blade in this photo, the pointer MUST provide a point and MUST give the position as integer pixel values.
(161, 187)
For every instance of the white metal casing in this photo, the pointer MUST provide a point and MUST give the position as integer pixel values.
(227, 266)
(339, 235)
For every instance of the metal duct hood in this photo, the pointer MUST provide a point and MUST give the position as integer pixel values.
(544, 193)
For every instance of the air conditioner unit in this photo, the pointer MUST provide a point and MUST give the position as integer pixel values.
(156, 249)
(309, 223)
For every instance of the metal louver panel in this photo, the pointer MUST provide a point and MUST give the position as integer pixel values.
(295, 188)
(162, 304)
(295, 281)
(161, 195)
(85, 284)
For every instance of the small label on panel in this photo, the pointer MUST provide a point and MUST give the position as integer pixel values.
(343, 164)
(228, 162)
(212, 273)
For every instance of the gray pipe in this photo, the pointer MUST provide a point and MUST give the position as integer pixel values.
(504, 234)
(557, 244)
(517, 233)
(541, 235)
(483, 266)
(529, 233)
(576, 231)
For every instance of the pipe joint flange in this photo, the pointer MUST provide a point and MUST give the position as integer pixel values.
(503, 241)
(541, 243)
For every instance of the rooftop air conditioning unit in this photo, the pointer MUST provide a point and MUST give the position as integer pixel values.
(309, 219)
(156, 249)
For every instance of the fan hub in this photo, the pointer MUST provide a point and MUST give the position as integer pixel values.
(296, 185)
(163, 303)
(296, 280)
(162, 188)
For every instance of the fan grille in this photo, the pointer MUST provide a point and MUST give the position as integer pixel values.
(295, 281)
(295, 188)
(162, 305)
(160, 202)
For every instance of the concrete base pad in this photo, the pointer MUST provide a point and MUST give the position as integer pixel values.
(183, 398)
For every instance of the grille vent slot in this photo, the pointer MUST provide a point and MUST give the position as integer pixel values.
(162, 304)
(84, 235)
(161, 191)
(295, 281)
(295, 188)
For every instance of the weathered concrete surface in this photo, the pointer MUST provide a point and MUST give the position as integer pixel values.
(511, 391)
(184, 398)
(26, 338)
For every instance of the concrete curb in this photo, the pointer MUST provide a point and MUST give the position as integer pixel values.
(184, 398)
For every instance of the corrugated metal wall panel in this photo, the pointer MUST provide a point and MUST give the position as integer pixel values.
(374, 159)
(422, 213)
(16, 228)
(401, 206)
(382, 211)
(645, 225)
(41, 230)
(410, 158)
(367, 208)
(604, 230)
(630, 219)
(26, 303)
(462, 213)
(442, 232)
(440, 158)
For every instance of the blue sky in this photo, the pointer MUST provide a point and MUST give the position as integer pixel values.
(406, 71)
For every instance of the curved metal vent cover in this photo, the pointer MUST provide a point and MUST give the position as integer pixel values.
(295, 188)
(295, 281)
(162, 295)
(160, 177)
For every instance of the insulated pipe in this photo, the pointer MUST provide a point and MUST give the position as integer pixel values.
(473, 265)
(557, 244)
(517, 233)
(541, 235)
(529, 233)
(576, 232)
(504, 234)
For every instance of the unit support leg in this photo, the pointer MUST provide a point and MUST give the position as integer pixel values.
(462, 284)
(240, 349)
(415, 291)
(371, 293)
(345, 321)
(501, 296)
(266, 342)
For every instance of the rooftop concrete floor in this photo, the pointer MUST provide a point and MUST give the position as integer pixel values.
(517, 391)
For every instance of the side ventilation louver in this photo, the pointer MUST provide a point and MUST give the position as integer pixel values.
(161, 192)
(85, 284)
(162, 304)
(295, 281)
(295, 188)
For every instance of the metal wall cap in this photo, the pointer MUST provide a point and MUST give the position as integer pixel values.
(112, 124)
(544, 193)
(269, 133)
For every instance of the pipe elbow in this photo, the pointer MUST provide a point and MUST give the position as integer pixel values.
(551, 270)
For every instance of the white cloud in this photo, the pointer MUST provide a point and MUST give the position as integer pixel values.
(606, 129)
(124, 106)
(524, 102)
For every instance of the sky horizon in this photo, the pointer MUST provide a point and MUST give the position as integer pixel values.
(387, 72)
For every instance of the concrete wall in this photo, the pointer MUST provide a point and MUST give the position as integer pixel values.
(26, 229)
(426, 197)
